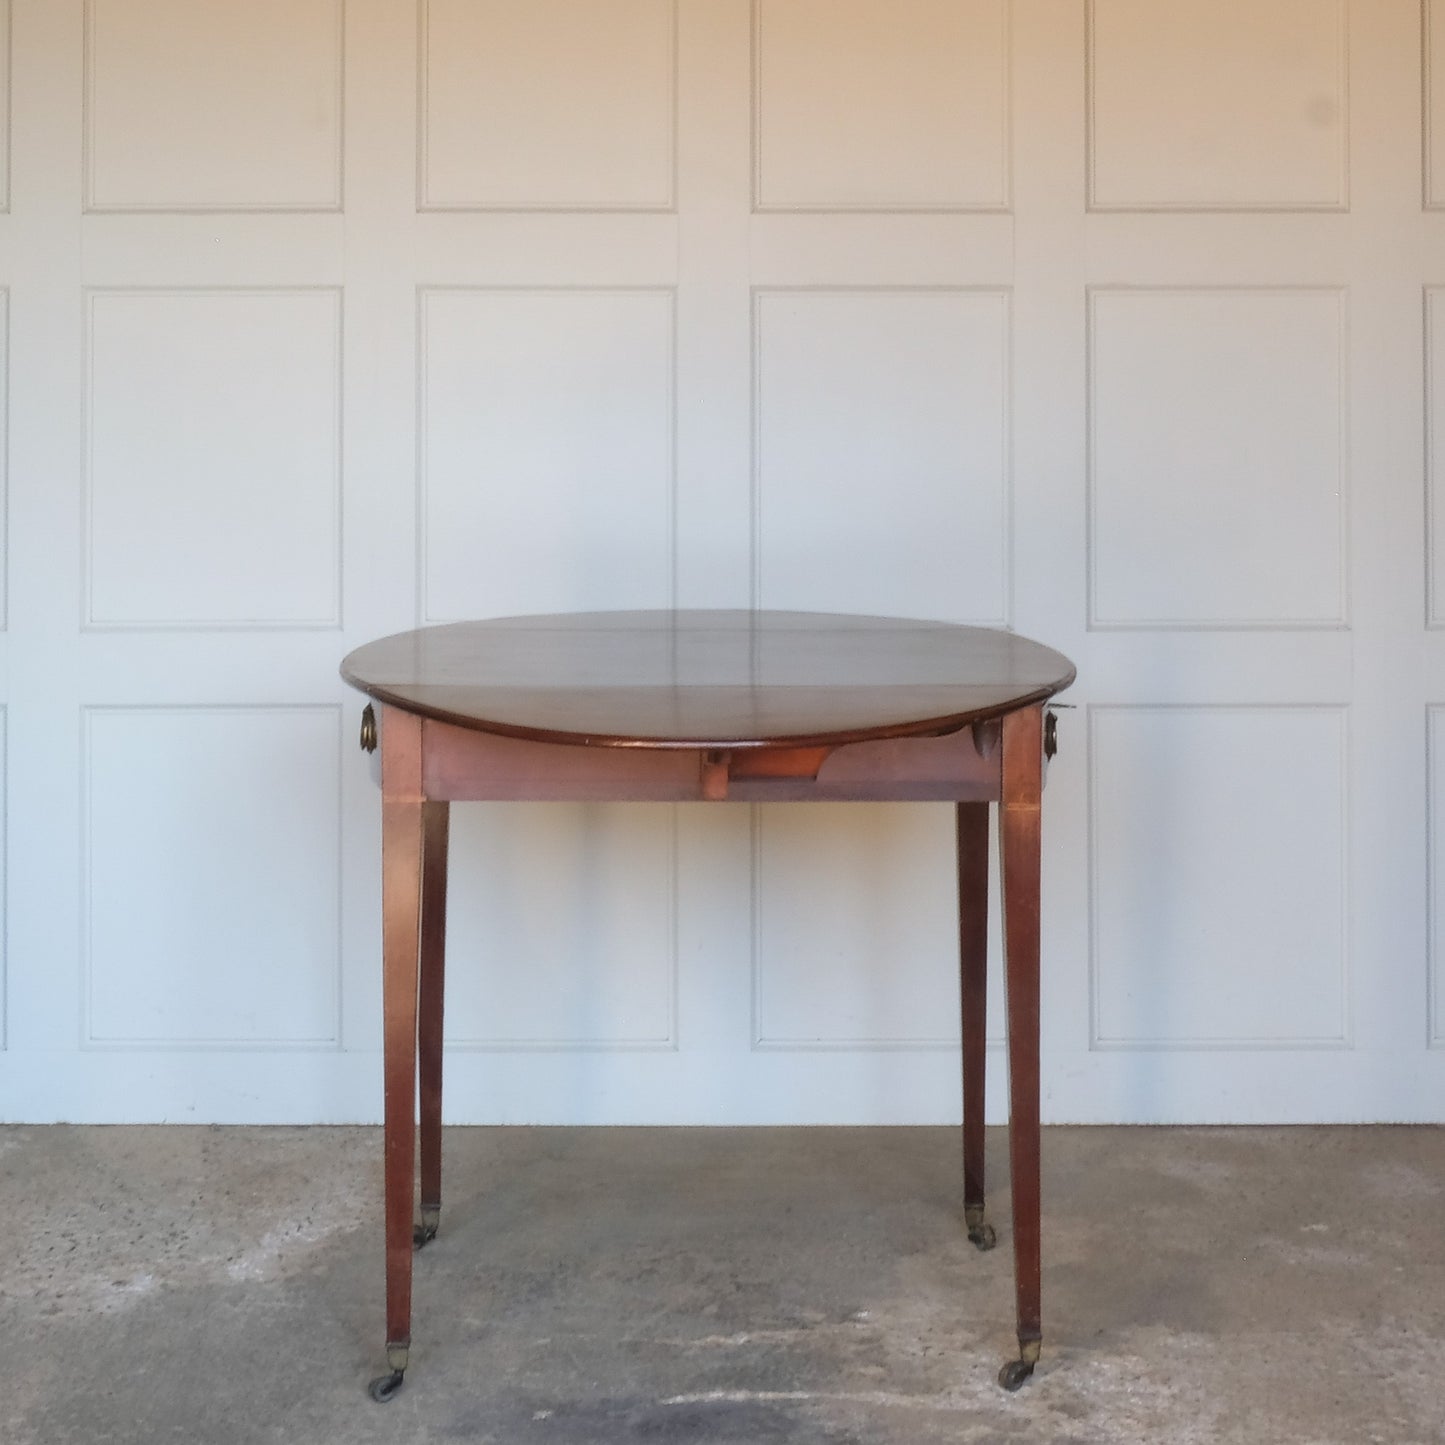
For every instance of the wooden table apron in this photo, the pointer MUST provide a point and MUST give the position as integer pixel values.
(428, 764)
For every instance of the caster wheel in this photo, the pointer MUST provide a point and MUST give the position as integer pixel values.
(422, 1234)
(1013, 1374)
(983, 1237)
(385, 1388)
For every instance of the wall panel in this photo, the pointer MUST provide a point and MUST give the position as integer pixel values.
(552, 105)
(855, 929)
(1220, 900)
(564, 937)
(1217, 458)
(882, 452)
(860, 106)
(1433, 14)
(546, 423)
(1435, 451)
(211, 877)
(213, 458)
(1218, 105)
(213, 105)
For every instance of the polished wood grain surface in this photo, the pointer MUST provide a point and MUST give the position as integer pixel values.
(707, 679)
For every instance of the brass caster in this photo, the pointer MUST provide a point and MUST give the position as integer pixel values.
(1013, 1374)
(980, 1231)
(385, 1388)
(426, 1231)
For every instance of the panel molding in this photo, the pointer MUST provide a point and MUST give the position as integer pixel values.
(1098, 1043)
(761, 1042)
(759, 294)
(668, 1043)
(664, 205)
(1430, 143)
(88, 620)
(87, 1039)
(1434, 322)
(1434, 858)
(323, 205)
(6, 351)
(1097, 623)
(1340, 203)
(423, 294)
(4, 877)
(1002, 205)
(7, 111)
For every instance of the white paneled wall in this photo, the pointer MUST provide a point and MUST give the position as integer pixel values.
(1206, 933)
(212, 432)
(206, 105)
(1223, 105)
(550, 106)
(1434, 104)
(1435, 442)
(547, 478)
(882, 475)
(866, 107)
(1118, 323)
(1186, 511)
(209, 913)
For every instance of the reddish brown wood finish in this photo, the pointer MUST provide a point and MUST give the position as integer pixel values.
(468, 766)
(401, 863)
(436, 823)
(1019, 837)
(972, 831)
(708, 680)
(751, 707)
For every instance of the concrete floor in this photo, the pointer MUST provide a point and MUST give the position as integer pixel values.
(730, 1287)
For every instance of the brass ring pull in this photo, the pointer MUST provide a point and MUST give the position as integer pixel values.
(368, 729)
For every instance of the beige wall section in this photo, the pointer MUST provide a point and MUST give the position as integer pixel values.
(1118, 323)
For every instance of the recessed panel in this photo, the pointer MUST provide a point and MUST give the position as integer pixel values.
(213, 104)
(5, 25)
(881, 104)
(4, 879)
(1436, 756)
(4, 456)
(883, 452)
(562, 935)
(1218, 839)
(547, 451)
(1217, 458)
(1435, 447)
(212, 876)
(552, 104)
(1217, 105)
(1435, 103)
(213, 458)
(856, 927)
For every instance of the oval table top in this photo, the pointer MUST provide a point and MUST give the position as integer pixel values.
(707, 679)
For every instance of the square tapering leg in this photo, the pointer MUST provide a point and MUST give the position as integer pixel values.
(1019, 829)
(972, 834)
(435, 830)
(401, 867)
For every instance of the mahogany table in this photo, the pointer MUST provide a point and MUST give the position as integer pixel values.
(707, 706)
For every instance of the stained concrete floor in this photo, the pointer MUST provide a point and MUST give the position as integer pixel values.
(735, 1287)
